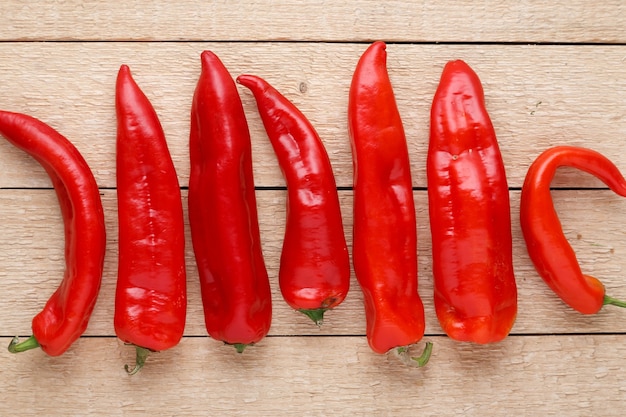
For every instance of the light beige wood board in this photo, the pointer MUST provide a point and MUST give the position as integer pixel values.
(537, 96)
(321, 376)
(566, 88)
(31, 265)
(361, 20)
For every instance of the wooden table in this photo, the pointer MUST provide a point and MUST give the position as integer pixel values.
(553, 74)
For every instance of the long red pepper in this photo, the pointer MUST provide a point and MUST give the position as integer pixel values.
(66, 314)
(151, 297)
(547, 245)
(470, 219)
(223, 214)
(314, 265)
(385, 235)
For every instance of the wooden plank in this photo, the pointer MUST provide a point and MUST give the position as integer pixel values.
(560, 375)
(58, 62)
(538, 96)
(361, 20)
(31, 265)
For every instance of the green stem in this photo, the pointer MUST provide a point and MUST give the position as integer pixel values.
(422, 360)
(317, 314)
(614, 301)
(239, 346)
(140, 360)
(15, 346)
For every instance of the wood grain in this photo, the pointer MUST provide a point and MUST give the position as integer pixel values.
(537, 96)
(321, 376)
(553, 73)
(361, 20)
(31, 255)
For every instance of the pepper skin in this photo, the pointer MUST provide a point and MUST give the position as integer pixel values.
(384, 236)
(470, 219)
(223, 214)
(547, 246)
(314, 265)
(66, 314)
(150, 298)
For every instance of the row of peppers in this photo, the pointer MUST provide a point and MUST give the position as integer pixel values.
(474, 285)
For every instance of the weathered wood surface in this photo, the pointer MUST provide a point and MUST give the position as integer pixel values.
(322, 376)
(32, 265)
(537, 96)
(553, 74)
(287, 20)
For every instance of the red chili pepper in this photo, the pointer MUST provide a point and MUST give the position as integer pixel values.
(470, 218)
(314, 265)
(547, 246)
(66, 314)
(150, 298)
(385, 236)
(223, 213)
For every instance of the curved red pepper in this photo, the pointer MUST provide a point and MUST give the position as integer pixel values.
(385, 235)
(66, 314)
(223, 213)
(470, 219)
(150, 297)
(547, 246)
(314, 265)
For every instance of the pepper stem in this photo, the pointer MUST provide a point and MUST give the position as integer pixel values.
(140, 360)
(614, 301)
(239, 347)
(16, 347)
(422, 360)
(317, 314)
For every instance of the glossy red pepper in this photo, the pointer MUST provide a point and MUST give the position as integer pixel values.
(547, 245)
(314, 265)
(385, 236)
(150, 297)
(470, 218)
(223, 213)
(66, 314)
